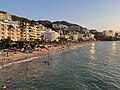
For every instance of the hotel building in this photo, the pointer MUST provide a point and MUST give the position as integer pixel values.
(9, 28)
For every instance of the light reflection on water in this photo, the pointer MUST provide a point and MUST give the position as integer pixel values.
(114, 47)
(95, 67)
(92, 51)
(112, 52)
(92, 55)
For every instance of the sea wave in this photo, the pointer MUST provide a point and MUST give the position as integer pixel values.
(17, 62)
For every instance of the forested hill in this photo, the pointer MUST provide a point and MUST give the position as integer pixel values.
(65, 23)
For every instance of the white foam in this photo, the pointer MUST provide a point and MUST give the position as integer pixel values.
(17, 62)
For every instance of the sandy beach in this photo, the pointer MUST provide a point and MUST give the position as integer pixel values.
(22, 56)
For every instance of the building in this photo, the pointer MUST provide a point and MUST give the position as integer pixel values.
(58, 26)
(75, 37)
(109, 33)
(50, 35)
(32, 32)
(35, 32)
(5, 16)
(91, 36)
(9, 29)
(74, 29)
(25, 31)
(39, 28)
(117, 34)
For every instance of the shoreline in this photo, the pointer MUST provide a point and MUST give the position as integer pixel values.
(23, 57)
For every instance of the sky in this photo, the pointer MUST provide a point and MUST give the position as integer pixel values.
(92, 14)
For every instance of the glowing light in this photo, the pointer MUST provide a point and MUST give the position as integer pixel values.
(92, 51)
(113, 52)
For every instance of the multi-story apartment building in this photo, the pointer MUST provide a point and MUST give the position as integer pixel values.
(39, 28)
(9, 28)
(32, 32)
(16, 32)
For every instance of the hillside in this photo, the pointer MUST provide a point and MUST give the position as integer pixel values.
(46, 23)
(65, 23)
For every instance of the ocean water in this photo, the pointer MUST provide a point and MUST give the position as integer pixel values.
(94, 66)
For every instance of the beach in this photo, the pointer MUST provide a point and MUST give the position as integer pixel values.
(19, 56)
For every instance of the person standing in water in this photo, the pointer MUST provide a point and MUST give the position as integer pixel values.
(3, 87)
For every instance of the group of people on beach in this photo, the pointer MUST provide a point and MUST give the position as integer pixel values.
(4, 61)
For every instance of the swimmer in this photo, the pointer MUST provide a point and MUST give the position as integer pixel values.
(45, 62)
(8, 81)
(48, 63)
(27, 69)
(3, 87)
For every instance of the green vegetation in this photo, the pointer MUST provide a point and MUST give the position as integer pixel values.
(3, 12)
(6, 42)
(65, 23)
(21, 19)
(45, 23)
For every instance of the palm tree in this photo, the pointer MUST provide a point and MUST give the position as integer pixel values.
(32, 23)
(10, 28)
(6, 42)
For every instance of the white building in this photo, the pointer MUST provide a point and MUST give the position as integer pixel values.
(50, 35)
(75, 37)
(91, 36)
(109, 33)
(58, 26)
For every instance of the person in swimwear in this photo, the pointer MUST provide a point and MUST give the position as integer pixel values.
(8, 81)
(3, 87)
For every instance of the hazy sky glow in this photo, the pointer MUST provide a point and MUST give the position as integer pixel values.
(96, 14)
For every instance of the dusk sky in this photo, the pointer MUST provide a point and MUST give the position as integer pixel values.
(92, 14)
